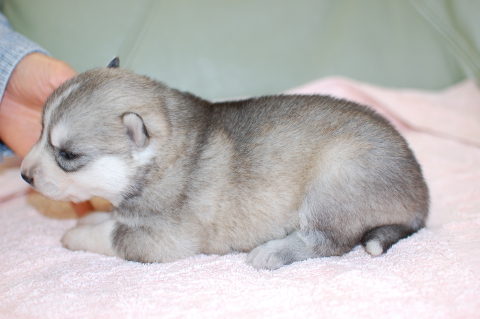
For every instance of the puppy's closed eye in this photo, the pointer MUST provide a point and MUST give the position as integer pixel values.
(69, 161)
(67, 155)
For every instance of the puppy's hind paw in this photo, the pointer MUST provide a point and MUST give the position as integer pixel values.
(267, 257)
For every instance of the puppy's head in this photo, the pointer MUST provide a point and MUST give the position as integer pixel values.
(99, 133)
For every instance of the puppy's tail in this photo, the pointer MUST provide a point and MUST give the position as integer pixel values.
(378, 240)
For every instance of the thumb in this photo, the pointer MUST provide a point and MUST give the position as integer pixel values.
(59, 72)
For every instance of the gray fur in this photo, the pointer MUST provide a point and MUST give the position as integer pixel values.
(285, 178)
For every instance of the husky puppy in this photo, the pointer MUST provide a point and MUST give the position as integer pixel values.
(285, 177)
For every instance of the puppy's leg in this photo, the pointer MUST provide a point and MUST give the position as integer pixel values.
(297, 246)
(154, 243)
(95, 238)
(93, 218)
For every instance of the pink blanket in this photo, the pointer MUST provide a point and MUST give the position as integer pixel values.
(433, 274)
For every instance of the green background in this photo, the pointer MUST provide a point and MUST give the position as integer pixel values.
(220, 49)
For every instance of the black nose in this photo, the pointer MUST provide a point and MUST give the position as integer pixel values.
(27, 179)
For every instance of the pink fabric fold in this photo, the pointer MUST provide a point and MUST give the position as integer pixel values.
(435, 273)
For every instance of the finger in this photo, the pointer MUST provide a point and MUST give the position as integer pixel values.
(59, 72)
(83, 208)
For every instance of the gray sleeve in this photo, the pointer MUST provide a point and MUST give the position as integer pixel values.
(13, 48)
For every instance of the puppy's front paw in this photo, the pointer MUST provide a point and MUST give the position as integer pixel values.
(267, 256)
(95, 238)
(94, 218)
(74, 238)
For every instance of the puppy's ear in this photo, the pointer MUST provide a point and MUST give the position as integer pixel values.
(115, 63)
(135, 129)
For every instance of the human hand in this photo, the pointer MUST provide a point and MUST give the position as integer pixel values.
(35, 77)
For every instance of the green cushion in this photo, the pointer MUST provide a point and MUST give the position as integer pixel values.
(220, 49)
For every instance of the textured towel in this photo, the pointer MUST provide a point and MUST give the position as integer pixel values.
(435, 273)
